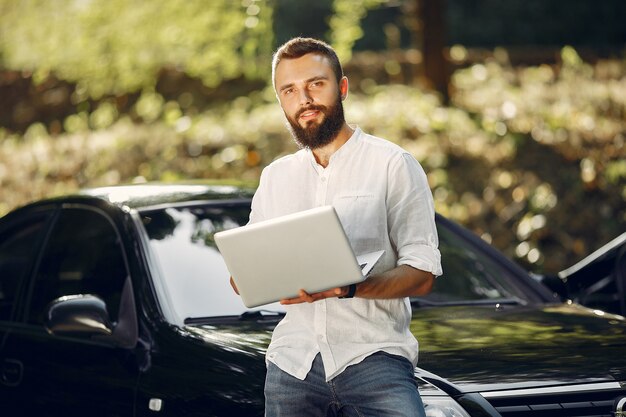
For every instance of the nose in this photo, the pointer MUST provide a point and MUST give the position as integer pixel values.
(305, 98)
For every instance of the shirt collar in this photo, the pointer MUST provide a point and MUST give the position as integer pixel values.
(346, 148)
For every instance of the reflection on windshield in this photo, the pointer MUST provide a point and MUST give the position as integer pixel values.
(469, 275)
(196, 277)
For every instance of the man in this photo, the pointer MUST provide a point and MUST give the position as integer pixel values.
(346, 351)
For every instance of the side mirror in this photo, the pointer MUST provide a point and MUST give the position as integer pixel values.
(78, 315)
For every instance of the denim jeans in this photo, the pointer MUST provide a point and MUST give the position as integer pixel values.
(382, 385)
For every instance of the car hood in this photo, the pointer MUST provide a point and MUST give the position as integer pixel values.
(479, 348)
(482, 348)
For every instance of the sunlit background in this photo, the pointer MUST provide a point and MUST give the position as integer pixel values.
(516, 109)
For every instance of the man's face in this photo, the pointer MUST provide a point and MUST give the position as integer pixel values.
(311, 99)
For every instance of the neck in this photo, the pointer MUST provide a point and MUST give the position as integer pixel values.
(322, 154)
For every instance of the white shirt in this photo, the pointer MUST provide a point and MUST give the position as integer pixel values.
(382, 198)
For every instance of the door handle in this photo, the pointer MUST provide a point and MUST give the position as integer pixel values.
(12, 372)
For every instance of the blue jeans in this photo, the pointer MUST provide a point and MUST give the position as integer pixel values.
(382, 385)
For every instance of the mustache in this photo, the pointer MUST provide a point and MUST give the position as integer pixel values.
(312, 107)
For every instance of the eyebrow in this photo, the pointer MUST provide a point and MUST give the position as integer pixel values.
(316, 78)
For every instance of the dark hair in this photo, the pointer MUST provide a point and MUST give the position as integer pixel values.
(298, 47)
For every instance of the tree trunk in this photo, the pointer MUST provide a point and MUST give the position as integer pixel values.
(431, 14)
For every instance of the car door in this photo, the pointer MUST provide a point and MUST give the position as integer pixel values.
(20, 236)
(72, 376)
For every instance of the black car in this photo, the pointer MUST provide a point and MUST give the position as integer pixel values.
(598, 281)
(116, 302)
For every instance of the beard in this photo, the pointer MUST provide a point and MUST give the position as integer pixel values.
(314, 135)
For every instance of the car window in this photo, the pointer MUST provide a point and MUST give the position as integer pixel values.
(469, 274)
(17, 252)
(193, 272)
(196, 280)
(83, 255)
(601, 284)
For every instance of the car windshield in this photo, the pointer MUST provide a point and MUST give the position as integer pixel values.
(196, 281)
(471, 276)
(193, 273)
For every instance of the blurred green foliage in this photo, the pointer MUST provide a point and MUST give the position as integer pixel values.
(532, 159)
(345, 24)
(119, 46)
(529, 157)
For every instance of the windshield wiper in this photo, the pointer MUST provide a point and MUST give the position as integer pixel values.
(423, 302)
(252, 315)
(261, 314)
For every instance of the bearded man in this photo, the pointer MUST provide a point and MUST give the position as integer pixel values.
(347, 351)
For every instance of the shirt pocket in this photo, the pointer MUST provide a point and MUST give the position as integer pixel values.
(363, 217)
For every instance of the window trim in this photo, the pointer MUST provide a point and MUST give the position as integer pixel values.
(49, 213)
(27, 296)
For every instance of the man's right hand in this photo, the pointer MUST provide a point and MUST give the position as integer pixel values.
(305, 297)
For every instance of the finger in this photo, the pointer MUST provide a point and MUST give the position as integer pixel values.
(294, 300)
(303, 297)
(288, 301)
(335, 292)
(306, 296)
(232, 284)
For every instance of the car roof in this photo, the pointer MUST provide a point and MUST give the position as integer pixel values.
(155, 193)
(148, 195)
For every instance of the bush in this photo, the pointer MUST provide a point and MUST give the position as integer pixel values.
(531, 159)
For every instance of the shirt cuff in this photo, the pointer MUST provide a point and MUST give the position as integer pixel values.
(422, 257)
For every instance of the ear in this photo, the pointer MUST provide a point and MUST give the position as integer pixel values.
(343, 87)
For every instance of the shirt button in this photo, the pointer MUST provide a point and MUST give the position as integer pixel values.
(323, 179)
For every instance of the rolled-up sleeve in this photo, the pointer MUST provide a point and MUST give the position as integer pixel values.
(411, 216)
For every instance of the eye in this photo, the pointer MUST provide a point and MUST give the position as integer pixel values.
(287, 91)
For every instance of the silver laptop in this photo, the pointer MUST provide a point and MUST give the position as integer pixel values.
(274, 259)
